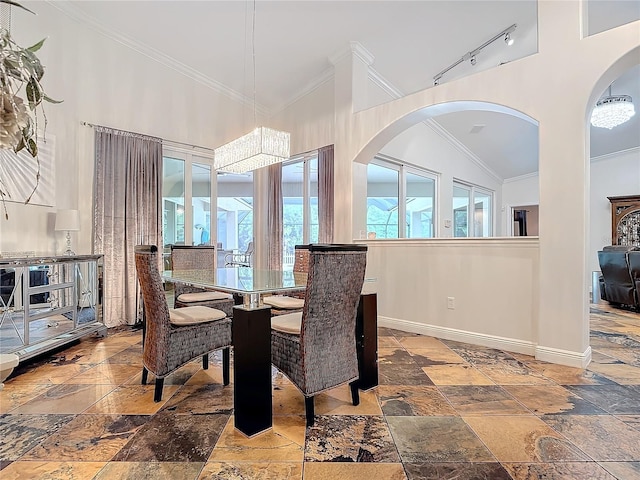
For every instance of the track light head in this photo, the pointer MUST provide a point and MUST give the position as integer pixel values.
(508, 39)
(473, 60)
(436, 81)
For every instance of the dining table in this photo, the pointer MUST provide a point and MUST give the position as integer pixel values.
(251, 333)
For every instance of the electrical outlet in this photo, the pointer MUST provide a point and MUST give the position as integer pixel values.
(451, 303)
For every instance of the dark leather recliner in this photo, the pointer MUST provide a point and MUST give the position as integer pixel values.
(634, 268)
(619, 283)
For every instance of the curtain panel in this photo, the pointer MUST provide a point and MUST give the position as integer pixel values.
(325, 194)
(127, 212)
(275, 217)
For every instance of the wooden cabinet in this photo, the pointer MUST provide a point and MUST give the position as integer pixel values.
(625, 220)
(48, 301)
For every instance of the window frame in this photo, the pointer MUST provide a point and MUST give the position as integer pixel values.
(404, 168)
(471, 208)
(190, 156)
(306, 159)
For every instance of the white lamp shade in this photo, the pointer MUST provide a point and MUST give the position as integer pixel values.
(68, 220)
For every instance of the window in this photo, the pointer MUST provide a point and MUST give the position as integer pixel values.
(299, 204)
(190, 180)
(234, 213)
(472, 219)
(186, 181)
(396, 191)
(173, 192)
(419, 201)
(382, 200)
(201, 203)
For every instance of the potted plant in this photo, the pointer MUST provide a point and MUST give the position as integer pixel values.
(21, 93)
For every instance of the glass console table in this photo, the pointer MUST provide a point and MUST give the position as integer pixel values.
(251, 330)
(48, 301)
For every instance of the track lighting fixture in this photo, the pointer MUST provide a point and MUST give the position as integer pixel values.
(471, 55)
(508, 39)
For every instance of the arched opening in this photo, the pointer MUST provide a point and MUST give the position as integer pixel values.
(614, 161)
(440, 170)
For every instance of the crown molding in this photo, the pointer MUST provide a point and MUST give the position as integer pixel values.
(353, 49)
(521, 177)
(395, 93)
(384, 84)
(73, 12)
(326, 76)
(609, 156)
(599, 158)
(436, 127)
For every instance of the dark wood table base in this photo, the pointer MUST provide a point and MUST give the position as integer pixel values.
(367, 341)
(252, 400)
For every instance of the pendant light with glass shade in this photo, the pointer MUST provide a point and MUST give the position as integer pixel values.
(261, 147)
(612, 110)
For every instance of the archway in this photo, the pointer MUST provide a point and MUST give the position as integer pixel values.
(613, 157)
(417, 143)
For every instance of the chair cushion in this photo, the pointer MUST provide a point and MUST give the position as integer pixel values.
(280, 301)
(194, 315)
(289, 323)
(203, 297)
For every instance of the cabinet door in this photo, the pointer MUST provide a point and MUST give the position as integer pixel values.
(88, 276)
(625, 220)
(11, 314)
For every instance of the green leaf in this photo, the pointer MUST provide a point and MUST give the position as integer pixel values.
(34, 93)
(51, 100)
(20, 145)
(36, 47)
(32, 148)
(16, 4)
(32, 64)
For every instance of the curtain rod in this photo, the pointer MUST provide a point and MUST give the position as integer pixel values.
(175, 142)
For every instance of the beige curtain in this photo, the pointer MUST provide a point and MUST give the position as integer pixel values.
(127, 212)
(274, 216)
(325, 194)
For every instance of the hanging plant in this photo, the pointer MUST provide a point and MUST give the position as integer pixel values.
(20, 75)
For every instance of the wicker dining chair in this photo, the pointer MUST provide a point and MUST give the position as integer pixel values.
(201, 257)
(289, 302)
(316, 348)
(174, 337)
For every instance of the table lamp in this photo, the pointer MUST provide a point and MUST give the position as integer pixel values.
(69, 221)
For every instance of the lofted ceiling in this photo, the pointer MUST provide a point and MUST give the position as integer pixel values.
(410, 41)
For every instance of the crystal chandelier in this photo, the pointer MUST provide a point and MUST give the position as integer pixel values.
(257, 149)
(612, 110)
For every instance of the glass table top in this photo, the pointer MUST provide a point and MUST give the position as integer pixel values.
(243, 280)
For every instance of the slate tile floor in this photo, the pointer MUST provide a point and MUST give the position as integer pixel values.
(443, 410)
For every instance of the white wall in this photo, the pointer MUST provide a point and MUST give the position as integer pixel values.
(610, 176)
(493, 283)
(560, 105)
(103, 82)
(310, 120)
(523, 190)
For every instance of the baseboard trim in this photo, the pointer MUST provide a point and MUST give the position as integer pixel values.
(501, 343)
(564, 357)
(546, 354)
